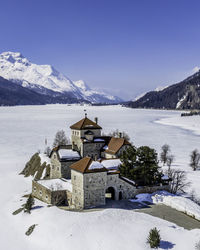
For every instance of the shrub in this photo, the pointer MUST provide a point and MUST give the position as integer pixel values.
(154, 238)
(29, 203)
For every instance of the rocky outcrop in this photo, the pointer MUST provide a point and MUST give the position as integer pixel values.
(36, 168)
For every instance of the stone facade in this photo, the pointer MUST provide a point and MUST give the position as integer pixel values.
(92, 149)
(77, 189)
(60, 168)
(89, 189)
(46, 195)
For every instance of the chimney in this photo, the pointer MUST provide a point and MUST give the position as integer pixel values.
(96, 120)
(120, 134)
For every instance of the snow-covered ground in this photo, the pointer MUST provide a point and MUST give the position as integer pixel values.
(23, 131)
(190, 123)
(179, 203)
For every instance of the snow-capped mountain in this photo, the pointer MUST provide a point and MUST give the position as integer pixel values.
(94, 95)
(182, 95)
(46, 80)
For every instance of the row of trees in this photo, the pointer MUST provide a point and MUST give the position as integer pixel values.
(141, 165)
(167, 158)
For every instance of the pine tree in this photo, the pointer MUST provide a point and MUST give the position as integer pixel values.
(154, 238)
(128, 159)
(29, 204)
(140, 165)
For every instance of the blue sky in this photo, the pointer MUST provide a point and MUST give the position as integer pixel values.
(124, 46)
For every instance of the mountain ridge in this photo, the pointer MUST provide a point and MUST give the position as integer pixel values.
(182, 95)
(46, 80)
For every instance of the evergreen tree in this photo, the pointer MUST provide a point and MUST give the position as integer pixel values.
(148, 165)
(128, 159)
(60, 139)
(140, 165)
(29, 204)
(154, 238)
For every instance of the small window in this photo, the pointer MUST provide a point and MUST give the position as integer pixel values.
(52, 166)
(58, 168)
(34, 189)
(120, 186)
(40, 192)
(54, 156)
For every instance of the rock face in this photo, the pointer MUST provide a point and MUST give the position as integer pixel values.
(183, 95)
(36, 168)
(47, 81)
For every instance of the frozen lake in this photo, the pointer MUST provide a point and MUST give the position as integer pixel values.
(23, 131)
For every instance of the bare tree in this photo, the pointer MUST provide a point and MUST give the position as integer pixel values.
(178, 180)
(117, 133)
(47, 151)
(194, 159)
(164, 153)
(60, 139)
(170, 159)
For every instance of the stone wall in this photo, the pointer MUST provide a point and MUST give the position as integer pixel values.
(66, 170)
(94, 189)
(77, 189)
(91, 149)
(48, 196)
(127, 190)
(55, 168)
(40, 192)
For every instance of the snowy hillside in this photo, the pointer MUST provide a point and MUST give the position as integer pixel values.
(45, 79)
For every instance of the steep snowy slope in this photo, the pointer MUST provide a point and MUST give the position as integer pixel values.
(46, 80)
(94, 95)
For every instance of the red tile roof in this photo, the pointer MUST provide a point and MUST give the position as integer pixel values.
(85, 123)
(84, 164)
(115, 144)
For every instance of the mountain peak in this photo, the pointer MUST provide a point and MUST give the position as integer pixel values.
(46, 79)
(82, 85)
(13, 57)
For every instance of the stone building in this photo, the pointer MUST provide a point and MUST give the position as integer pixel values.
(93, 183)
(87, 140)
(85, 174)
(62, 157)
(53, 191)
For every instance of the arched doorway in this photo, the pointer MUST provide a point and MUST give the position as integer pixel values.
(120, 195)
(110, 193)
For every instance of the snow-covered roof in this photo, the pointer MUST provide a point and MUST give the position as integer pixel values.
(111, 163)
(56, 184)
(87, 165)
(165, 177)
(95, 165)
(68, 154)
(99, 140)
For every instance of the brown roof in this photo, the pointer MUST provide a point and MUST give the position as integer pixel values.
(115, 144)
(85, 123)
(84, 164)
